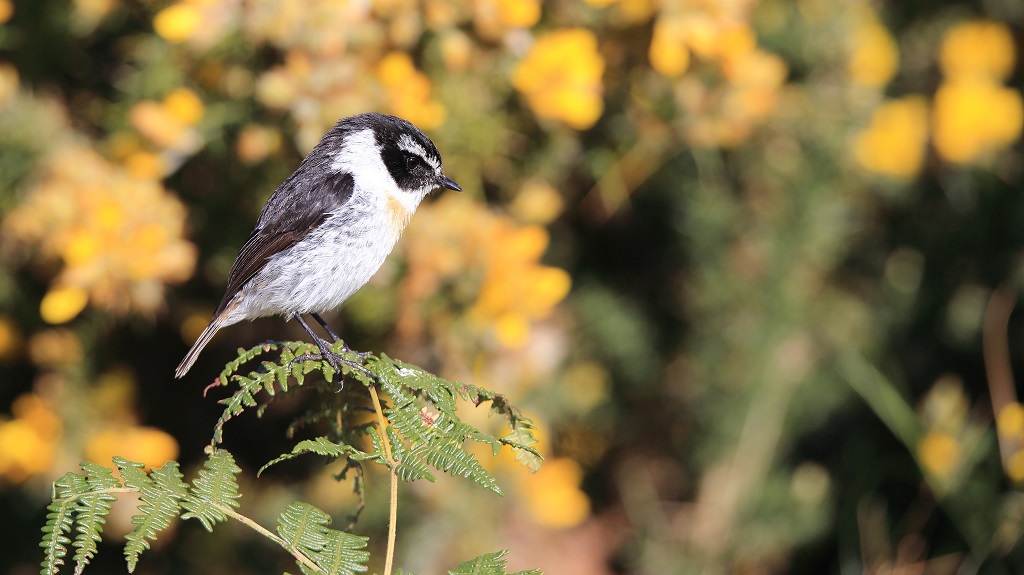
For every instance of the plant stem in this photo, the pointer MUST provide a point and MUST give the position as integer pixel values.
(298, 555)
(393, 507)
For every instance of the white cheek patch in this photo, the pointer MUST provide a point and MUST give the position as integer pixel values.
(360, 156)
(407, 144)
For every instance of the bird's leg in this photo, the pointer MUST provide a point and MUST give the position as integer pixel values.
(344, 346)
(332, 357)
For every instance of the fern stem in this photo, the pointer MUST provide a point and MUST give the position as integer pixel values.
(389, 557)
(298, 555)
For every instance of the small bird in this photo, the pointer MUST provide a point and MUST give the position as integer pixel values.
(328, 228)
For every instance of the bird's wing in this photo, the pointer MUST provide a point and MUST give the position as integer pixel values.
(295, 209)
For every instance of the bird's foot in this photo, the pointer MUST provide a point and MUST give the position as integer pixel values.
(337, 360)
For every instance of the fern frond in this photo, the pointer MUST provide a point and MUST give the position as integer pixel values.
(214, 489)
(437, 440)
(93, 508)
(304, 529)
(409, 467)
(160, 494)
(488, 564)
(319, 446)
(521, 440)
(59, 520)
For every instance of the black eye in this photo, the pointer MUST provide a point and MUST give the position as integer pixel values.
(413, 162)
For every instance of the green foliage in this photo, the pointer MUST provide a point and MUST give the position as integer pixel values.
(213, 491)
(425, 434)
(160, 492)
(488, 564)
(304, 529)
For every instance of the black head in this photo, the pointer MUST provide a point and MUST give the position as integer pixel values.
(409, 155)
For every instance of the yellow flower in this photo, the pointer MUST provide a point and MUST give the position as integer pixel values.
(55, 348)
(28, 443)
(978, 48)
(120, 237)
(561, 77)
(537, 203)
(255, 143)
(178, 22)
(553, 496)
(1015, 466)
(148, 445)
(6, 10)
(939, 453)
(168, 124)
(1010, 421)
(409, 91)
(875, 56)
(668, 55)
(519, 13)
(973, 116)
(62, 304)
(493, 261)
(184, 105)
(9, 83)
(893, 144)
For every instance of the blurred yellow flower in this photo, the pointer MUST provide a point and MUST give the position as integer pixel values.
(1015, 466)
(148, 445)
(119, 237)
(516, 290)
(55, 348)
(6, 10)
(178, 22)
(978, 48)
(409, 91)
(973, 116)
(939, 453)
(184, 105)
(255, 143)
(1010, 421)
(561, 77)
(88, 13)
(28, 442)
(537, 202)
(519, 13)
(9, 84)
(169, 124)
(874, 55)
(667, 53)
(62, 304)
(553, 496)
(503, 288)
(894, 142)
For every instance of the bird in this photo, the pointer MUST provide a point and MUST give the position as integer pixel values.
(329, 227)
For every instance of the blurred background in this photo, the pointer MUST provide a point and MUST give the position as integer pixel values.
(750, 266)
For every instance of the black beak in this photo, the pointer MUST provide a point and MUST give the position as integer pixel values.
(449, 183)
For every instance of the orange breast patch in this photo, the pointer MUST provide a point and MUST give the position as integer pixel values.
(398, 216)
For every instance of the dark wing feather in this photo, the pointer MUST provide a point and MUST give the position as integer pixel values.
(295, 209)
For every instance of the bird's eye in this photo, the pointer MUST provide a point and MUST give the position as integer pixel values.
(413, 162)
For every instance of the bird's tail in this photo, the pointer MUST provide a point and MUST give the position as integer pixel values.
(197, 347)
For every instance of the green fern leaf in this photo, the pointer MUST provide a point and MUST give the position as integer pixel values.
(409, 466)
(93, 508)
(488, 564)
(160, 494)
(437, 441)
(60, 520)
(214, 489)
(304, 529)
(521, 439)
(319, 446)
